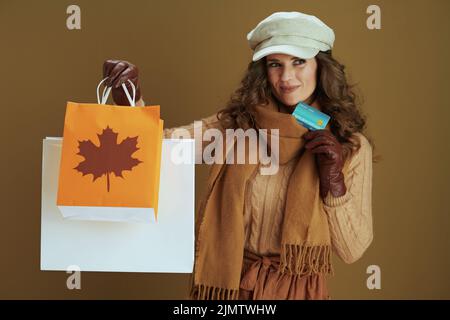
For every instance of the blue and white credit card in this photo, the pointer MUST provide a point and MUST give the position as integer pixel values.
(310, 117)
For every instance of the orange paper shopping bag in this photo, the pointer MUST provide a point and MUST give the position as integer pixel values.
(110, 161)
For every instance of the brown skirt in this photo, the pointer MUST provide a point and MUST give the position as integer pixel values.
(261, 280)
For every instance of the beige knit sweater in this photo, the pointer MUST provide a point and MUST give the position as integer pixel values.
(349, 216)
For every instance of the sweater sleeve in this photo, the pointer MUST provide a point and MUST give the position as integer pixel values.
(350, 216)
(188, 131)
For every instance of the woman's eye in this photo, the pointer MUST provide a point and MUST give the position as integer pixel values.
(273, 65)
(299, 61)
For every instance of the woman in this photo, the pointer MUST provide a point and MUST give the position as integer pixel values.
(271, 236)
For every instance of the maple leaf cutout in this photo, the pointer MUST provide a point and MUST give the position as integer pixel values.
(109, 157)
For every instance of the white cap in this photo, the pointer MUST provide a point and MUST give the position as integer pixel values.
(294, 33)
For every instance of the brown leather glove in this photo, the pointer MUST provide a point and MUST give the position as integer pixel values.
(118, 72)
(330, 161)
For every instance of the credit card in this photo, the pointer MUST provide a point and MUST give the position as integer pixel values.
(310, 117)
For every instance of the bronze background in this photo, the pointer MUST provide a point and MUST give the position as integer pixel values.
(191, 56)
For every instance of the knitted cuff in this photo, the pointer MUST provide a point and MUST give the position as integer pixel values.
(332, 201)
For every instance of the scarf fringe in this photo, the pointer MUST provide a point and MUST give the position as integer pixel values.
(305, 259)
(204, 292)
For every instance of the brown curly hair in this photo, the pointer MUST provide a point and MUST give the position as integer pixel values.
(333, 93)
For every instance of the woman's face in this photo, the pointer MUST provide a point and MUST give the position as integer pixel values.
(292, 79)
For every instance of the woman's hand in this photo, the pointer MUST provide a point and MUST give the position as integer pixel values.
(118, 72)
(330, 161)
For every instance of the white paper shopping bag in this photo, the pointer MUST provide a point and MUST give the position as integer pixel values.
(164, 246)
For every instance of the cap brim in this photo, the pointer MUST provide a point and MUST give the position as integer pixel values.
(300, 52)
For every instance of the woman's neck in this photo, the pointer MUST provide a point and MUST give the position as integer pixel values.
(289, 109)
